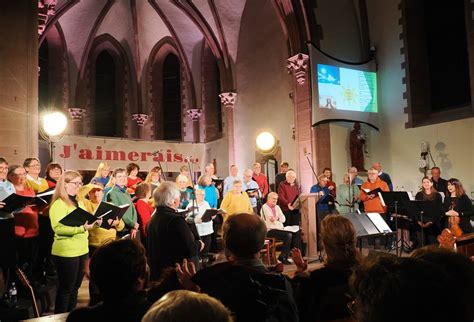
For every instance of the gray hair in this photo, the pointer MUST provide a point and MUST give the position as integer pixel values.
(166, 194)
(290, 172)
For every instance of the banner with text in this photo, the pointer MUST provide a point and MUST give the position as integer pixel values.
(85, 153)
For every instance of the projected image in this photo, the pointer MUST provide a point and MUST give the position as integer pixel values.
(347, 89)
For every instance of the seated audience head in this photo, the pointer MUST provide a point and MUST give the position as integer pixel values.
(323, 180)
(154, 175)
(248, 173)
(244, 235)
(372, 174)
(460, 269)
(435, 173)
(338, 237)
(53, 171)
(272, 199)
(3, 168)
(17, 175)
(118, 177)
(205, 180)
(167, 195)
(182, 305)
(143, 191)
(290, 176)
(284, 167)
(237, 186)
(455, 187)
(32, 166)
(103, 170)
(234, 170)
(417, 290)
(69, 184)
(119, 268)
(257, 168)
(133, 169)
(182, 181)
(328, 173)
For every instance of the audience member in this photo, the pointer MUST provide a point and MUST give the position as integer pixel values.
(169, 237)
(244, 284)
(288, 193)
(236, 201)
(440, 184)
(119, 270)
(417, 290)
(322, 293)
(274, 219)
(182, 305)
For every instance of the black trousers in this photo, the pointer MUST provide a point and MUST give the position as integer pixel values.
(293, 217)
(289, 240)
(70, 274)
(207, 245)
(27, 252)
(94, 293)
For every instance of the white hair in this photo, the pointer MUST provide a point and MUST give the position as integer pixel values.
(166, 194)
(290, 172)
(182, 178)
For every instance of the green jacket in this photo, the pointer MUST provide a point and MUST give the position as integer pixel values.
(68, 241)
(120, 197)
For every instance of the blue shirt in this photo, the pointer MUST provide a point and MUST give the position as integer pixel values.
(321, 206)
(251, 185)
(211, 195)
(6, 189)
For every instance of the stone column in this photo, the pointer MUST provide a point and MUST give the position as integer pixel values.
(195, 114)
(77, 114)
(19, 80)
(298, 67)
(228, 103)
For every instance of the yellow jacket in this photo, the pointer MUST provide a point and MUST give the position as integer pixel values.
(38, 188)
(235, 204)
(68, 241)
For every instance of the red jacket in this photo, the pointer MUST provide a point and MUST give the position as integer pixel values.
(262, 182)
(286, 194)
(144, 211)
(26, 220)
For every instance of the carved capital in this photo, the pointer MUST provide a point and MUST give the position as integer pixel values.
(194, 114)
(46, 9)
(77, 113)
(228, 99)
(140, 118)
(298, 65)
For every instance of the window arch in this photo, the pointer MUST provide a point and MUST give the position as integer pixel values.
(165, 88)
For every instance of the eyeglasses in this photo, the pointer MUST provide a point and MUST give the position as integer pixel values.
(76, 183)
(34, 166)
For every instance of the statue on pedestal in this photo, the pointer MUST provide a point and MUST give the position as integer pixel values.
(356, 147)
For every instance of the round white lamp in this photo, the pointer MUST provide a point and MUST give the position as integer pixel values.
(265, 141)
(54, 123)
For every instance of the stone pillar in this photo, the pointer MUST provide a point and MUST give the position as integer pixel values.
(195, 114)
(141, 120)
(19, 80)
(77, 114)
(298, 67)
(228, 103)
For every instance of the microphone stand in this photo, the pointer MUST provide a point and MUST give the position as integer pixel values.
(159, 164)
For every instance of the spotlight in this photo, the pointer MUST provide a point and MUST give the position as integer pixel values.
(265, 141)
(54, 123)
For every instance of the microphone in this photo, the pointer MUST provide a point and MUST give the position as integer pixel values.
(188, 158)
(157, 151)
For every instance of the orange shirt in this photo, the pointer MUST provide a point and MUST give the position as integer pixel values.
(375, 204)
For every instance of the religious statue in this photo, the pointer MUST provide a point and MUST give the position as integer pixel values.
(356, 147)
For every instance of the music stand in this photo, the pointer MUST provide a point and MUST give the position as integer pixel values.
(416, 209)
(396, 202)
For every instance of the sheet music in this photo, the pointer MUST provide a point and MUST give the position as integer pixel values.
(410, 195)
(379, 222)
